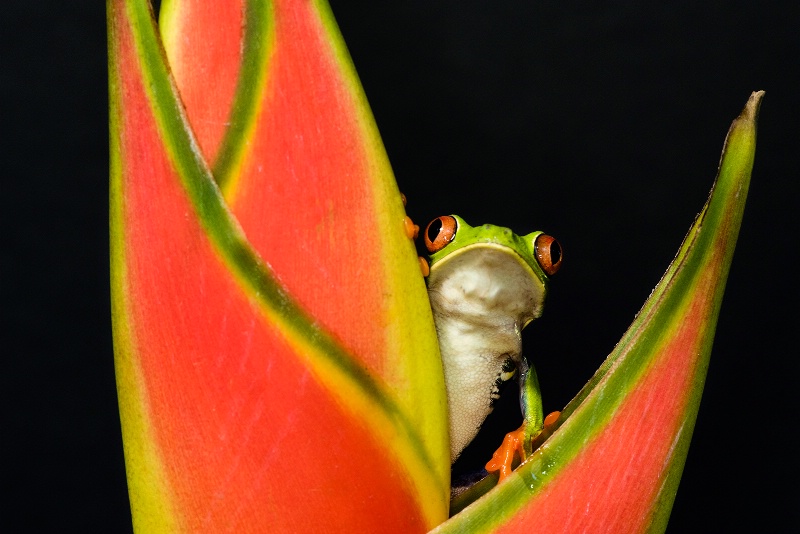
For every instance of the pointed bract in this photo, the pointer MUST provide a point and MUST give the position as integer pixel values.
(614, 463)
(248, 404)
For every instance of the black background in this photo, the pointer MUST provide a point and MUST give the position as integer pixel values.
(601, 125)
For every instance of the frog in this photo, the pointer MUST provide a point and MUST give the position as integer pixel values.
(485, 284)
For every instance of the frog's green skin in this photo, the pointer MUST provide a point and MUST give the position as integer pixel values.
(485, 286)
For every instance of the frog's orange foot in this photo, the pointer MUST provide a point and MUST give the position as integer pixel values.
(551, 420)
(514, 444)
(424, 267)
(503, 457)
(412, 230)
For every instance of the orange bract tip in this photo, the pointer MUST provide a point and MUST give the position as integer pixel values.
(423, 266)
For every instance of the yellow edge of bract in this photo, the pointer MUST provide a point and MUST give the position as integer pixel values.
(150, 498)
(169, 23)
(418, 369)
(152, 508)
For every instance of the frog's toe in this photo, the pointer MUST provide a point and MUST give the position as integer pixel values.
(503, 457)
(412, 230)
(424, 267)
(550, 420)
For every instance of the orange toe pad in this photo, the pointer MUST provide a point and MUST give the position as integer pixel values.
(503, 457)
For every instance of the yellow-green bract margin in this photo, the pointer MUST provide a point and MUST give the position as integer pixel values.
(411, 329)
(147, 481)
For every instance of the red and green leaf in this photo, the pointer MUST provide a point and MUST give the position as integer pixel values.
(614, 463)
(277, 368)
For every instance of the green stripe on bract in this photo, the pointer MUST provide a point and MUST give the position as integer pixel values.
(226, 235)
(259, 18)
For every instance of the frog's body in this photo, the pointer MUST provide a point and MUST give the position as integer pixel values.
(485, 285)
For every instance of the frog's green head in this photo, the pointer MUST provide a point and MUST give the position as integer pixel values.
(449, 235)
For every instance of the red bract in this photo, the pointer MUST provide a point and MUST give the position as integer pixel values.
(261, 386)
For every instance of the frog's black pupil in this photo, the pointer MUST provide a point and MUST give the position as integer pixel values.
(555, 252)
(433, 229)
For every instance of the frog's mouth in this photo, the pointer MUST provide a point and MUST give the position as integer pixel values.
(489, 279)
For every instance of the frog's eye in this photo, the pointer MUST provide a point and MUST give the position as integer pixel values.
(548, 253)
(439, 233)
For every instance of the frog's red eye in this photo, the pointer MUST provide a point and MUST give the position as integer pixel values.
(548, 253)
(439, 233)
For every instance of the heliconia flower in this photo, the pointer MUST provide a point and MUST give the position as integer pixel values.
(276, 359)
(276, 356)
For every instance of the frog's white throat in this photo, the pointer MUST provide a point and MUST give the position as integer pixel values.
(481, 296)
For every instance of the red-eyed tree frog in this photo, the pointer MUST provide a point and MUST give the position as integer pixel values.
(485, 285)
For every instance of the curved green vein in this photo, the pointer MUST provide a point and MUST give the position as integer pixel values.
(259, 18)
(226, 235)
(709, 244)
